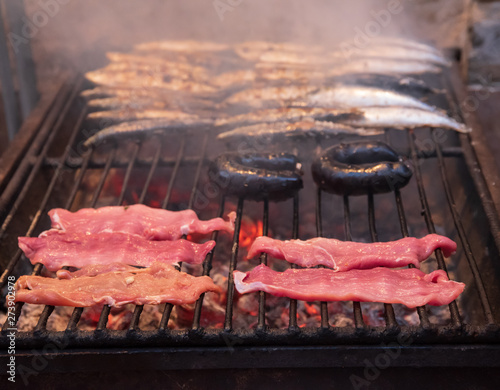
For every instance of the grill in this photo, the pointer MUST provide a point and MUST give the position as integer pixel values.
(449, 194)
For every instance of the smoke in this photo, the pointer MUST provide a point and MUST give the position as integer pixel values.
(78, 32)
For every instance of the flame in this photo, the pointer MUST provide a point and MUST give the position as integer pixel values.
(249, 231)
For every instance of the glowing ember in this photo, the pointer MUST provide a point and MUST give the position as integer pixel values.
(250, 230)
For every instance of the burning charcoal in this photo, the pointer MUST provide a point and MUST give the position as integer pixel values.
(359, 168)
(257, 176)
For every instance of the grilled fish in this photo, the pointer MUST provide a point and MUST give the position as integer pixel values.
(383, 66)
(407, 85)
(294, 114)
(258, 97)
(401, 53)
(408, 43)
(149, 61)
(148, 126)
(182, 46)
(401, 118)
(136, 78)
(296, 129)
(354, 96)
(133, 115)
(125, 103)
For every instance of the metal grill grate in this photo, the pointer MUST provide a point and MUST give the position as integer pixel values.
(71, 113)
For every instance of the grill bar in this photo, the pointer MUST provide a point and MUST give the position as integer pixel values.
(390, 317)
(463, 239)
(319, 232)
(207, 266)
(292, 324)
(228, 322)
(356, 306)
(261, 325)
(174, 173)
(152, 169)
(128, 172)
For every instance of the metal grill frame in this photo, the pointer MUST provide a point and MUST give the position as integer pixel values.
(425, 345)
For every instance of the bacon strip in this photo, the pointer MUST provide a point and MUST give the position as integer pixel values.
(56, 249)
(411, 287)
(159, 284)
(151, 223)
(346, 255)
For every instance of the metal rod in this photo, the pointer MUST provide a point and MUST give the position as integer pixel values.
(465, 242)
(228, 322)
(292, 324)
(207, 267)
(128, 172)
(319, 231)
(358, 314)
(175, 171)
(261, 325)
(390, 317)
(152, 169)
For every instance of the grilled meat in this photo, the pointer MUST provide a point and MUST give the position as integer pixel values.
(158, 284)
(345, 255)
(55, 249)
(410, 287)
(359, 168)
(257, 176)
(151, 223)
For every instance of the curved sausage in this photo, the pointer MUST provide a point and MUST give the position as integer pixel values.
(257, 176)
(359, 168)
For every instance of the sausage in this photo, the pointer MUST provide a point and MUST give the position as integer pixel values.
(257, 176)
(360, 168)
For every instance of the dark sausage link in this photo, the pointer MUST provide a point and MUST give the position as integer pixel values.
(257, 176)
(360, 168)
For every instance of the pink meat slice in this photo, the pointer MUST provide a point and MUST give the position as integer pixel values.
(94, 269)
(411, 287)
(346, 255)
(56, 249)
(158, 284)
(151, 223)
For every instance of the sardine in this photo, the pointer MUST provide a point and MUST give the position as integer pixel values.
(126, 103)
(133, 115)
(146, 127)
(385, 66)
(296, 129)
(408, 43)
(131, 93)
(182, 46)
(294, 114)
(138, 79)
(401, 118)
(253, 50)
(258, 97)
(403, 54)
(151, 62)
(353, 96)
(407, 85)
